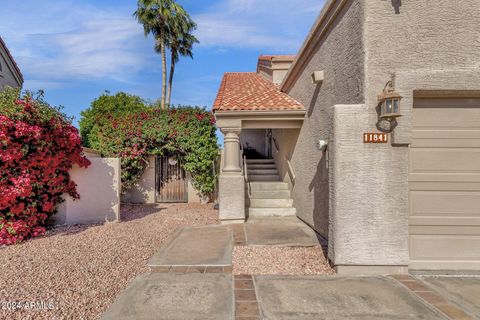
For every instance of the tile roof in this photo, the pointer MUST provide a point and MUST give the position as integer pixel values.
(249, 91)
(282, 57)
(11, 58)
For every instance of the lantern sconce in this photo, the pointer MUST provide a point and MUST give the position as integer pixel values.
(389, 101)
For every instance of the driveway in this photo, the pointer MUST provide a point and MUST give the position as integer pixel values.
(243, 297)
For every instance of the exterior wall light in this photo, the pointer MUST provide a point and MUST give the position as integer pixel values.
(389, 101)
(317, 77)
(323, 145)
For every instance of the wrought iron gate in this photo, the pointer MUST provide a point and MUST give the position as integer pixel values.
(171, 180)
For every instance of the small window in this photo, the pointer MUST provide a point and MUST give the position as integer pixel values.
(1, 70)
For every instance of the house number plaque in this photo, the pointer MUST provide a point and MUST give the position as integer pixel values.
(376, 137)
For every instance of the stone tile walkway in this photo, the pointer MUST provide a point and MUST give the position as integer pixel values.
(284, 231)
(453, 294)
(191, 279)
(166, 296)
(203, 247)
(331, 298)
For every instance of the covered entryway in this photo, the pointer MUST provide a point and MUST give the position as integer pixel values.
(171, 180)
(444, 183)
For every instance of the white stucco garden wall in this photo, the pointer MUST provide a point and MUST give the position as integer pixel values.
(144, 190)
(99, 188)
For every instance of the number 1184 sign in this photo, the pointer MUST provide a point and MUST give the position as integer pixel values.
(377, 137)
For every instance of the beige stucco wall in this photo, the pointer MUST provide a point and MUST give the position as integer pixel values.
(99, 189)
(286, 140)
(341, 57)
(274, 71)
(425, 46)
(424, 39)
(368, 208)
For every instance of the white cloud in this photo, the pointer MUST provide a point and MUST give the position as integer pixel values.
(68, 40)
(266, 24)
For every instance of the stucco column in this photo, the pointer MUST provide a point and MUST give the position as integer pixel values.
(231, 180)
(232, 151)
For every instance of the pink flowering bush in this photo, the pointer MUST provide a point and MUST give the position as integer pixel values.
(38, 147)
(125, 126)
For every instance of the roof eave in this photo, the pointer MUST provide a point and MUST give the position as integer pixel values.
(12, 64)
(321, 25)
(234, 113)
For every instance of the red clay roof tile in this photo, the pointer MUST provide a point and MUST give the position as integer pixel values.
(250, 91)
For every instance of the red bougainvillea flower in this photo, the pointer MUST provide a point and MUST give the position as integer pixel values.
(38, 148)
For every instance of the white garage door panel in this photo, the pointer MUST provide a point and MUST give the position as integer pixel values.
(447, 160)
(424, 253)
(444, 208)
(443, 114)
(444, 184)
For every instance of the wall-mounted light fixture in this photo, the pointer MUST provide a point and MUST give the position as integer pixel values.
(389, 101)
(323, 145)
(317, 77)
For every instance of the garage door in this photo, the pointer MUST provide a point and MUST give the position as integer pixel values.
(444, 184)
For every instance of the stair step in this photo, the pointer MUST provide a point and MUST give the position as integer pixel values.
(262, 172)
(260, 161)
(271, 212)
(271, 203)
(262, 166)
(264, 177)
(270, 194)
(268, 186)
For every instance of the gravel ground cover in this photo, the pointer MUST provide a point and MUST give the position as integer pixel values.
(271, 260)
(78, 271)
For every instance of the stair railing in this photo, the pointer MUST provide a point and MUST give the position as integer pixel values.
(290, 171)
(245, 169)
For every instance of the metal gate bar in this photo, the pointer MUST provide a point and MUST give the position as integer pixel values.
(171, 181)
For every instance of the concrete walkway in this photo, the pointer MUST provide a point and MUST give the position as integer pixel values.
(284, 231)
(196, 247)
(191, 279)
(331, 298)
(174, 296)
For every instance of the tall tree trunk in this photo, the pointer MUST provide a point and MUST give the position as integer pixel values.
(164, 73)
(170, 80)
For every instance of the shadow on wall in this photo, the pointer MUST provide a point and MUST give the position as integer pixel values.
(320, 187)
(98, 186)
(313, 102)
(396, 4)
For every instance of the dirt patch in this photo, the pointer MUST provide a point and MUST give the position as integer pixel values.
(271, 260)
(78, 271)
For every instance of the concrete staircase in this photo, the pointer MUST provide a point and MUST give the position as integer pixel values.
(270, 196)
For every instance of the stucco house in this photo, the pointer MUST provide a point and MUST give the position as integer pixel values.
(370, 135)
(10, 74)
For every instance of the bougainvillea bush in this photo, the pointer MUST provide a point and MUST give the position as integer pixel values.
(38, 147)
(187, 134)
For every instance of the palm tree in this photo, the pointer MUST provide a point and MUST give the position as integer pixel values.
(181, 43)
(156, 17)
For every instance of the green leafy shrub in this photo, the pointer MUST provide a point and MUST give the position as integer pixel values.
(187, 134)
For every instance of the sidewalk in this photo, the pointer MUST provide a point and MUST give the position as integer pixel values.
(191, 279)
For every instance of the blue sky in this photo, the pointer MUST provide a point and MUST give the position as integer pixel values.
(75, 50)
